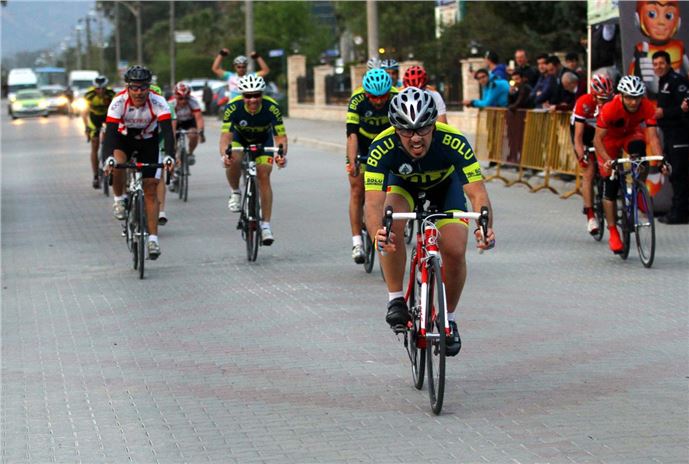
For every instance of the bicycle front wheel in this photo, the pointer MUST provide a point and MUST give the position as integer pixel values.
(185, 187)
(252, 220)
(141, 226)
(598, 207)
(415, 344)
(644, 225)
(369, 251)
(623, 223)
(181, 178)
(435, 336)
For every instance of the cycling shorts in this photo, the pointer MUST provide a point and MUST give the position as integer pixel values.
(94, 124)
(448, 196)
(266, 158)
(186, 125)
(615, 146)
(147, 152)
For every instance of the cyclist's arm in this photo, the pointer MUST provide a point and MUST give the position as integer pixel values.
(168, 137)
(216, 68)
(352, 147)
(579, 138)
(264, 67)
(199, 120)
(225, 141)
(478, 196)
(375, 203)
(598, 143)
(654, 140)
(109, 139)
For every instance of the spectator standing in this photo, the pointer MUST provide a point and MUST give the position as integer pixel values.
(492, 64)
(672, 92)
(495, 91)
(565, 86)
(207, 97)
(543, 90)
(520, 92)
(528, 73)
(572, 63)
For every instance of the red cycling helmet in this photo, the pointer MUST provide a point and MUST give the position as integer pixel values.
(415, 76)
(601, 86)
(182, 89)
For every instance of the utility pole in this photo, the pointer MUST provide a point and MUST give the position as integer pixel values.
(118, 53)
(172, 45)
(78, 31)
(101, 45)
(372, 27)
(87, 19)
(136, 11)
(249, 26)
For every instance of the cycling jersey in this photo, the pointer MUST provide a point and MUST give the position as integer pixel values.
(144, 120)
(620, 123)
(363, 118)
(187, 111)
(98, 104)
(449, 165)
(250, 128)
(586, 110)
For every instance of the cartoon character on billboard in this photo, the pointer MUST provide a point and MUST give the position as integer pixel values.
(659, 21)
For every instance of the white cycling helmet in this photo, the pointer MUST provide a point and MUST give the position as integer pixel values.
(251, 83)
(631, 86)
(390, 63)
(373, 63)
(412, 108)
(241, 59)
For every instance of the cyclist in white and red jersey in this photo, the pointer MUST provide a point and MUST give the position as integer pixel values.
(582, 128)
(134, 118)
(189, 117)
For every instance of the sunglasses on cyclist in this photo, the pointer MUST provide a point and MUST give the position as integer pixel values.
(421, 131)
(138, 88)
(377, 98)
(240, 66)
(252, 96)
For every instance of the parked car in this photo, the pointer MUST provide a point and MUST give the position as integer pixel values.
(29, 103)
(56, 98)
(197, 88)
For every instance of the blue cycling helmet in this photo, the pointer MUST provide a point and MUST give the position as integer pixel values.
(377, 82)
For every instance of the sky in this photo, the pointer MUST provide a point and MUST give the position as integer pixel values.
(34, 25)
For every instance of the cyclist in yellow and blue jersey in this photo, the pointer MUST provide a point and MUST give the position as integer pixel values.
(98, 97)
(419, 153)
(253, 118)
(367, 116)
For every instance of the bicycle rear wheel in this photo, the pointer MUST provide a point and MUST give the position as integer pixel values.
(369, 251)
(644, 225)
(415, 345)
(435, 336)
(252, 220)
(623, 223)
(185, 188)
(181, 178)
(141, 226)
(598, 206)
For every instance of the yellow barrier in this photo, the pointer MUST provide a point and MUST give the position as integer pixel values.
(545, 145)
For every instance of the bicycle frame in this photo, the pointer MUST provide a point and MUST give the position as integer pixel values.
(628, 187)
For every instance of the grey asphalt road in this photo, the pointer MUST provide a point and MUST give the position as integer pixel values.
(570, 355)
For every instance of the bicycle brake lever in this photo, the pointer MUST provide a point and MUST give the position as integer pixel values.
(387, 222)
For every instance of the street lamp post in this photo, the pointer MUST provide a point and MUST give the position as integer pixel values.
(77, 29)
(135, 9)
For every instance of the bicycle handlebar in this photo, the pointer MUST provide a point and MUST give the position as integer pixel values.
(637, 161)
(255, 148)
(137, 167)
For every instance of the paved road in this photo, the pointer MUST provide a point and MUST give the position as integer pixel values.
(570, 354)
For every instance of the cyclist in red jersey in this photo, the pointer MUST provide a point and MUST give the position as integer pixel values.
(625, 123)
(582, 127)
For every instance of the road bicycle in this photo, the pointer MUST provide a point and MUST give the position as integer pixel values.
(590, 157)
(425, 336)
(102, 178)
(134, 225)
(182, 171)
(250, 212)
(635, 207)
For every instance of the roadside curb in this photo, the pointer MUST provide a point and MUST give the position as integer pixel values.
(340, 147)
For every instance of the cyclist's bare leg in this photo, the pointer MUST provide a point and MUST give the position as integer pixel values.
(160, 190)
(265, 191)
(95, 144)
(356, 203)
(118, 175)
(453, 245)
(587, 185)
(151, 201)
(610, 209)
(394, 263)
(193, 141)
(234, 171)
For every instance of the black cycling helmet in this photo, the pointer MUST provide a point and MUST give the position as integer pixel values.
(138, 74)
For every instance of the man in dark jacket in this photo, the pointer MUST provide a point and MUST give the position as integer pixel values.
(672, 91)
(520, 92)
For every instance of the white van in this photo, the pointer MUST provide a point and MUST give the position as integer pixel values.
(20, 79)
(80, 80)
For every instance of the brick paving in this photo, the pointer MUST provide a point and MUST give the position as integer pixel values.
(570, 355)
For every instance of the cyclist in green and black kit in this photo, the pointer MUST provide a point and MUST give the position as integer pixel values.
(98, 98)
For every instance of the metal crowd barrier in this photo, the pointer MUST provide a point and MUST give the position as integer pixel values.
(528, 141)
